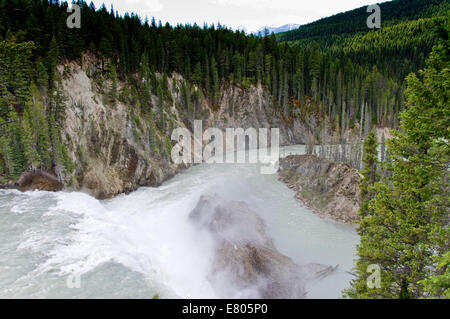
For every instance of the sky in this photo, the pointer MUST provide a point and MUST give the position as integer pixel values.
(236, 14)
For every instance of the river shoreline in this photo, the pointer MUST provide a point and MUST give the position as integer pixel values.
(328, 189)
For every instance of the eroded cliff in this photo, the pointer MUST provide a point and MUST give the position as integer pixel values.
(117, 147)
(330, 189)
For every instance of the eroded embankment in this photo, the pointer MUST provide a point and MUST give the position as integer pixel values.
(330, 189)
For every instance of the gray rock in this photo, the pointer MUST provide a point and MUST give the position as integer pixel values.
(246, 262)
(330, 189)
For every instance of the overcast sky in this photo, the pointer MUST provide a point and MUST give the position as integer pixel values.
(251, 14)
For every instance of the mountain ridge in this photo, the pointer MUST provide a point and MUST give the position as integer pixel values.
(354, 21)
(274, 29)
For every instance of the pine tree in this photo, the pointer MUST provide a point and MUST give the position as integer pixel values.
(52, 60)
(407, 224)
(41, 75)
(197, 76)
(369, 178)
(56, 100)
(29, 140)
(14, 131)
(15, 73)
(6, 156)
(39, 126)
(369, 172)
(438, 285)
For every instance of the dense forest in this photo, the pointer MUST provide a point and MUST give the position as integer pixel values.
(354, 21)
(325, 30)
(398, 48)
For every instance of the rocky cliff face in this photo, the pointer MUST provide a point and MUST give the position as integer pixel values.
(330, 189)
(111, 145)
(111, 152)
(239, 108)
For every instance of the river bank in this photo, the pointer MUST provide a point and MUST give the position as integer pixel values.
(329, 189)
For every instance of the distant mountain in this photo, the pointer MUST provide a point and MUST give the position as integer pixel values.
(284, 28)
(242, 28)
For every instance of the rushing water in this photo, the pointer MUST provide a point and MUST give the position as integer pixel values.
(136, 245)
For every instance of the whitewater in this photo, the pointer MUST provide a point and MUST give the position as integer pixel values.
(142, 244)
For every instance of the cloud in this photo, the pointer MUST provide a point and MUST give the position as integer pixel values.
(293, 5)
(146, 6)
(259, 4)
(141, 7)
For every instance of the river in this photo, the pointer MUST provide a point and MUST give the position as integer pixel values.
(71, 245)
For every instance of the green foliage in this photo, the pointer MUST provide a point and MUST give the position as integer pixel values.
(438, 286)
(29, 140)
(39, 129)
(398, 48)
(41, 75)
(407, 224)
(370, 177)
(15, 74)
(7, 167)
(52, 59)
(369, 172)
(14, 131)
(56, 101)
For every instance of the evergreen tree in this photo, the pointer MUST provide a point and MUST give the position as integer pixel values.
(407, 224)
(6, 157)
(40, 129)
(369, 172)
(369, 178)
(438, 285)
(29, 140)
(52, 60)
(14, 131)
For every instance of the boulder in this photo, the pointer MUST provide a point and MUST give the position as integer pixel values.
(246, 263)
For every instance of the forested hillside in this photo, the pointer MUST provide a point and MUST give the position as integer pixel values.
(401, 46)
(352, 22)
